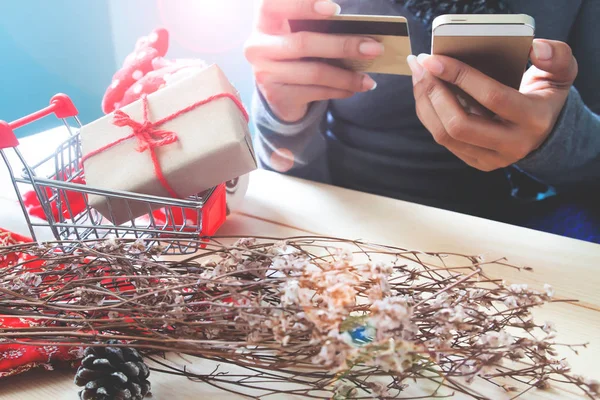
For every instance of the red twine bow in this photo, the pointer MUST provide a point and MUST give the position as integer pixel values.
(146, 133)
(149, 137)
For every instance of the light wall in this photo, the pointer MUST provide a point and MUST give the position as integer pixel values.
(47, 47)
(75, 46)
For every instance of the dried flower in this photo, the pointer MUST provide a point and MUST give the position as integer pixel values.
(496, 339)
(549, 327)
(379, 389)
(343, 390)
(511, 302)
(396, 357)
(389, 315)
(290, 294)
(363, 319)
(518, 288)
(593, 385)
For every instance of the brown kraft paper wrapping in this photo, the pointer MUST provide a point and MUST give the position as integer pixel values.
(213, 146)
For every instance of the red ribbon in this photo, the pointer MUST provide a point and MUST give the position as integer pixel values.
(149, 137)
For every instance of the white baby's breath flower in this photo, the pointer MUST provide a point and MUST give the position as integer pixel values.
(397, 357)
(563, 365)
(388, 315)
(290, 263)
(468, 367)
(341, 295)
(549, 290)
(212, 333)
(281, 244)
(245, 242)
(475, 294)
(37, 281)
(298, 327)
(334, 354)
(111, 244)
(593, 385)
(375, 270)
(281, 247)
(496, 339)
(279, 264)
(458, 314)
(343, 390)
(518, 354)
(518, 288)
(374, 293)
(138, 246)
(290, 293)
(384, 285)
(549, 327)
(113, 315)
(344, 254)
(379, 389)
(511, 302)
(254, 337)
(313, 273)
(179, 299)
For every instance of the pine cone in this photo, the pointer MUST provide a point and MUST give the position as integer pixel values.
(112, 373)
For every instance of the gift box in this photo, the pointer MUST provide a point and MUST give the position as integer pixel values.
(181, 140)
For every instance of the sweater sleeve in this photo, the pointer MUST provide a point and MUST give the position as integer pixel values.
(571, 154)
(298, 148)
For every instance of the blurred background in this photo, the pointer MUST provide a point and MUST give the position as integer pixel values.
(75, 46)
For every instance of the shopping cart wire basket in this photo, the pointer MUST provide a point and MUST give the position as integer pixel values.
(54, 187)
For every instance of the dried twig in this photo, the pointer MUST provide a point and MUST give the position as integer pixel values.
(324, 317)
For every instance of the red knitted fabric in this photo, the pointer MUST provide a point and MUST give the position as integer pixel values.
(18, 358)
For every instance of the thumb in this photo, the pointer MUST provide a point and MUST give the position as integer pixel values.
(556, 59)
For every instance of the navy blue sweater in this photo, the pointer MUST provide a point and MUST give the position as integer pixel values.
(374, 142)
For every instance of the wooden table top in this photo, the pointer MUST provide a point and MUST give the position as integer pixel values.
(277, 205)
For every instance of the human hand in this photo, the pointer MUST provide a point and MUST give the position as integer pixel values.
(523, 119)
(288, 81)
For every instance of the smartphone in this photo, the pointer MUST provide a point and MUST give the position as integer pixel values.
(497, 45)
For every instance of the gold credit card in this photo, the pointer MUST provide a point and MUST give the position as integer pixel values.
(390, 31)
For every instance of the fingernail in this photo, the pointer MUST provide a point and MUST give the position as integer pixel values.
(417, 70)
(327, 8)
(368, 83)
(370, 48)
(431, 64)
(542, 51)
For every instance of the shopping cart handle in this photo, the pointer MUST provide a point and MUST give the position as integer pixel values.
(61, 105)
(7, 136)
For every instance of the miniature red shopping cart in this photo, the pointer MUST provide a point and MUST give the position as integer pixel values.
(53, 190)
